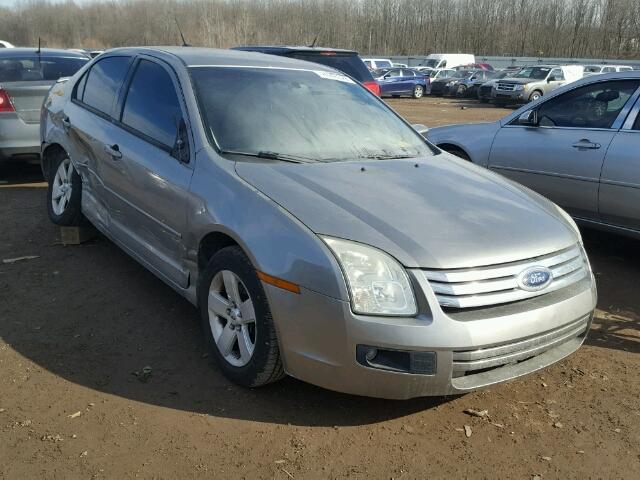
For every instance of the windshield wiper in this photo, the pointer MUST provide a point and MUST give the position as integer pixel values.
(284, 157)
(386, 157)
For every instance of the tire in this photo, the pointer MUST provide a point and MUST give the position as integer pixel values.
(457, 152)
(64, 192)
(256, 361)
(418, 91)
(461, 91)
(535, 95)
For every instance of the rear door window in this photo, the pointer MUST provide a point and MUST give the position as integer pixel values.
(103, 81)
(151, 106)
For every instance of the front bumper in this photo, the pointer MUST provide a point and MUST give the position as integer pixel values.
(515, 96)
(319, 337)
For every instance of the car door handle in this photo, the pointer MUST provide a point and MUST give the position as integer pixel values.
(585, 143)
(114, 151)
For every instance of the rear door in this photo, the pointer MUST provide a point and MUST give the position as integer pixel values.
(562, 157)
(89, 125)
(150, 170)
(620, 182)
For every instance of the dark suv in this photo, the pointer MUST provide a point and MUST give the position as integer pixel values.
(346, 61)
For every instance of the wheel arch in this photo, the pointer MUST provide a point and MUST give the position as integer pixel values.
(49, 153)
(447, 147)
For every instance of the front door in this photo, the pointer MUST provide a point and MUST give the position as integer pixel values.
(562, 157)
(620, 182)
(150, 173)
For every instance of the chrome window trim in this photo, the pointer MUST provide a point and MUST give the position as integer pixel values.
(634, 111)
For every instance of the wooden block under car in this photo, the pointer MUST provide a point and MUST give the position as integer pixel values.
(76, 235)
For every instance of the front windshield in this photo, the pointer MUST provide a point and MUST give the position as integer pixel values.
(314, 115)
(433, 63)
(536, 73)
(461, 74)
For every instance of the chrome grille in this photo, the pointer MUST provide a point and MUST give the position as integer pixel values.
(468, 361)
(506, 87)
(497, 284)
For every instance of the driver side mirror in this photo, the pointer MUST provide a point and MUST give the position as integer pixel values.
(529, 119)
(421, 129)
(181, 147)
(551, 79)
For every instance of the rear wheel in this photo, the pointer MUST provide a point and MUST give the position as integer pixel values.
(64, 192)
(418, 91)
(236, 320)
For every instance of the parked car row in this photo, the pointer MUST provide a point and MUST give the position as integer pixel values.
(256, 183)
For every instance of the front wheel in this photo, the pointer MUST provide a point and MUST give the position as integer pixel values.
(418, 91)
(64, 192)
(236, 320)
(535, 96)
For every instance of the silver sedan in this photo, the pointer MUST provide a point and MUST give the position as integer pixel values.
(578, 147)
(317, 232)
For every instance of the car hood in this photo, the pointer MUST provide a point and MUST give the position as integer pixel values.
(437, 212)
(519, 81)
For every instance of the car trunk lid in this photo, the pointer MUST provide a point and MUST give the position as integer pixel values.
(27, 98)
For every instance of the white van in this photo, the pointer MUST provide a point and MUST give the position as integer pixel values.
(376, 63)
(448, 60)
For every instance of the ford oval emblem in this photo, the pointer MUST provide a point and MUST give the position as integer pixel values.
(535, 278)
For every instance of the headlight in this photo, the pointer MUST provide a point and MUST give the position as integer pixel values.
(519, 87)
(570, 221)
(377, 283)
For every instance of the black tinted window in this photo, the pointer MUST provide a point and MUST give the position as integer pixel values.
(34, 68)
(352, 65)
(103, 82)
(151, 106)
(636, 126)
(592, 106)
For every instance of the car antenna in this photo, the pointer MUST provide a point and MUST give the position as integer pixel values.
(184, 42)
(313, 44)
(38, 51)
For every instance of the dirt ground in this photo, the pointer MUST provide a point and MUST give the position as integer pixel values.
(77, 323)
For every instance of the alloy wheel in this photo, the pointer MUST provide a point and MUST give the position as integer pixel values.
(62, 187)
(232, 318)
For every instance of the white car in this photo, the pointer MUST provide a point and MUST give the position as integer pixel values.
(595, 69)
(4, 44)
(376, 63)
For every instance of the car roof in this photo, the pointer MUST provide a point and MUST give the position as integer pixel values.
(48, 52)
(198, 56)
(280, 49)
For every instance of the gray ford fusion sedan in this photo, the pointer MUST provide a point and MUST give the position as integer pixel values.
(318, 233)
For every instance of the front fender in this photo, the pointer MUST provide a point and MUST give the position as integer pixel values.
(475, 139)
(276, 242)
